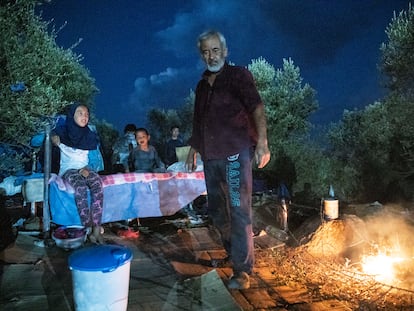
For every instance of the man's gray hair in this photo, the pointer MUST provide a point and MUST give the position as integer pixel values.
(212, 33)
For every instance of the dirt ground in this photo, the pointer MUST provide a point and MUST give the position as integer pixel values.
(324, 258)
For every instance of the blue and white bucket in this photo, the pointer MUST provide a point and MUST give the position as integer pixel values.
(100, 277)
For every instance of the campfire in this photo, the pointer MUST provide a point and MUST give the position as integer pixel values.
(365, 260)
(384, 267)
(378, 250)
(390, 260)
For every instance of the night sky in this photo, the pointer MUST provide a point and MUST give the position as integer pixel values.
(143, 53)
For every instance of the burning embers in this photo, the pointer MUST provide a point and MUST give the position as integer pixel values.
(390, 258)
(379, 246)
(384, 267)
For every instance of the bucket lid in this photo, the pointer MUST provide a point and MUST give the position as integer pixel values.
(105, 258)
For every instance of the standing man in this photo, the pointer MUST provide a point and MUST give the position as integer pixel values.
(171, 145)
(229, 129)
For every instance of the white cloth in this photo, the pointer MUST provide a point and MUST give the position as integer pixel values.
(180, 167)
(9, 187)
(72, 158)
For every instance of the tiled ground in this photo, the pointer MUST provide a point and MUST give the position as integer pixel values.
(174, 267)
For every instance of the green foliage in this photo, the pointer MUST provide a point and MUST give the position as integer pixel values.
(398, 64)
(288, 102)
(160, 122)
(52, 76)
(185, 113)
(374, 147)
(400, 112)
(12, 163)
(361, 145)
(312, 166)
(108, 136)
(264, 74)
(288, 105)
(361, 130)
(397, 61)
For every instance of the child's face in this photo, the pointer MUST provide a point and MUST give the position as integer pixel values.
(142, 138)
(81, 116)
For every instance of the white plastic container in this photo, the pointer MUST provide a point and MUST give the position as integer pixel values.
(330, 208)
(32, 189)
(100, 276)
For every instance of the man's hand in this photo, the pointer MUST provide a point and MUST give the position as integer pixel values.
(262, 154)
(191, 162)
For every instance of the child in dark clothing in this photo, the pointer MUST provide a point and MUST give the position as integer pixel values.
(144, 157)
(171, 145)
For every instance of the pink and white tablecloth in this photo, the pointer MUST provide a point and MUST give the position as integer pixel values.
(130, 195)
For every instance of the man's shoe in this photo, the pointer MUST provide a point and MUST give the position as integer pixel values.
(240, 280)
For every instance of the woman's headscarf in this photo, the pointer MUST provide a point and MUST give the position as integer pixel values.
(73, 135)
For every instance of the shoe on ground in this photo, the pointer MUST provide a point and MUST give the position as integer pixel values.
(128, 233)
(240, 280)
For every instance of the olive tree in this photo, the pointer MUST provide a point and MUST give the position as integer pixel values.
(37, 77)
(397, 64)
(288, 102)
(160, 121)
(361, 143)
(397, 58)
(375, 145)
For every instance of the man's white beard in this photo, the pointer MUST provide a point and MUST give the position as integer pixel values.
(217, 67)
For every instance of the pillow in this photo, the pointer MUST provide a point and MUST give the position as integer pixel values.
(182, 153)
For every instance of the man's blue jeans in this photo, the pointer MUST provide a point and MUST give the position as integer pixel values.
(229, 194)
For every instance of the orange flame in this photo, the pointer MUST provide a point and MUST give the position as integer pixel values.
(381, 267)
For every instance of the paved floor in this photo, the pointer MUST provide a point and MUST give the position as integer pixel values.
(175, 266)
(36, 278)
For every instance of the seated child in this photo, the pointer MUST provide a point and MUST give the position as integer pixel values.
(144, 157)
(75, 139)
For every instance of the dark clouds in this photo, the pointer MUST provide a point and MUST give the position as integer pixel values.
(143, 53)
(319, 29)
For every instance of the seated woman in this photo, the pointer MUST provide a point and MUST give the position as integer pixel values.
(144, 157)
(75, 140)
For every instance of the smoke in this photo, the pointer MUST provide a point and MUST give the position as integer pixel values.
(391, 230)
(390, 233)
